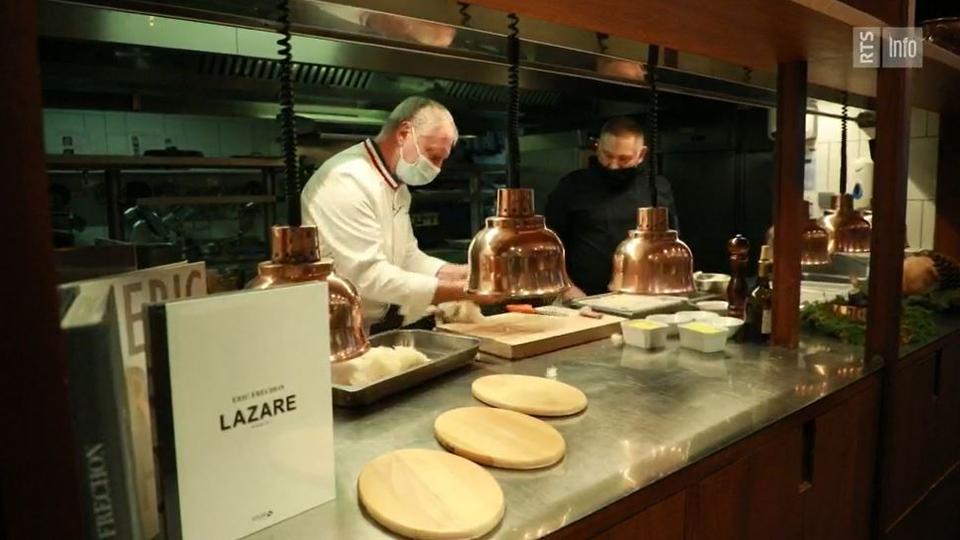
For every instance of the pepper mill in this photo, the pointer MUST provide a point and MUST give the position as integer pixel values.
(739, 249)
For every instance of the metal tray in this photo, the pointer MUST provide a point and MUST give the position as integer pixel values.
(684, 302)
(591, 301)
(445, 351)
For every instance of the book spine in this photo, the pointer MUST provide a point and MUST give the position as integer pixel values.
(98, 402)
(158, 366)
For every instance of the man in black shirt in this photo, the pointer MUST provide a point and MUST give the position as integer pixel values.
(592, 209)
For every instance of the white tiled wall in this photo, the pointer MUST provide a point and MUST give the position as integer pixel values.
(826, 150)
(922, 186)
(922, 178)
(108, 132)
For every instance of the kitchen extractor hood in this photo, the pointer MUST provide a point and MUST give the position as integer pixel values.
(237, 41)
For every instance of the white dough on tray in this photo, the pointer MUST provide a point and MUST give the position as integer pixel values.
(377, 363)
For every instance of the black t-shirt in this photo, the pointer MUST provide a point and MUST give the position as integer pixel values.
(592, 215)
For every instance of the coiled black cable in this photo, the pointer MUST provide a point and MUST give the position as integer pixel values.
(288, 130)
(602, 41)
(464, 14)
(653, 55)
(843, 145)
(513, 108)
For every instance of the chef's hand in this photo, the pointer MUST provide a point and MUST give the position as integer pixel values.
(487, 299)
(454, 272)
(573, 293)
(463, 311)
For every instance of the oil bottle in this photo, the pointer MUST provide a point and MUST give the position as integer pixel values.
(759, 311)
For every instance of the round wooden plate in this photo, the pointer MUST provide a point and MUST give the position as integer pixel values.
(430, 494)
(531, 395)
(499, 437)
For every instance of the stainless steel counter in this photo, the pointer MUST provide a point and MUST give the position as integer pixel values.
(650, 414)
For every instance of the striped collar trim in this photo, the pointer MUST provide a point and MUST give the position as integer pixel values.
(373, 153)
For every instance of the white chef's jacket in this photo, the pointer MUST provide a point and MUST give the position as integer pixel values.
(363, 215)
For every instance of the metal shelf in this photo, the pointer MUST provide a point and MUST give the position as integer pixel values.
(88, 162)
(452, 195)
(114, 167)
(206, 200)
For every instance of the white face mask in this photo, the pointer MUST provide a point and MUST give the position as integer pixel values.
(419, 173)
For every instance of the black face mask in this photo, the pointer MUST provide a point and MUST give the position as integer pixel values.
(615, 178)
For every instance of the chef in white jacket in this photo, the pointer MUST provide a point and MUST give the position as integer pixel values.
(360, 203)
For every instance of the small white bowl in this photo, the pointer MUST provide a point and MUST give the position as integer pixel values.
(730, 324)
(714, 306)
(645, 334)
(702, 336)
(698, 315)
(712, 283)
(671, 320)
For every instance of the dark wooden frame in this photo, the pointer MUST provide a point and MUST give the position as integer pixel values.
(38, 469)
(788, 195)
(39, 487)
(947, 232)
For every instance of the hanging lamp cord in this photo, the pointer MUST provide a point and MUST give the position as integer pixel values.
(465, 16)
(288, 131)
(653, 56)
(843, 145)
(513, 108)
(602, 39)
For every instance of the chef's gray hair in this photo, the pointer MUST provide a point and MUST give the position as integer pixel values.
(620, 126)
(423, 113)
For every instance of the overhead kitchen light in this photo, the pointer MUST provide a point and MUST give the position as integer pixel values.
(814, 241)
(343, 115)
(342, 119)
(652, 260)
(515, 255)
(295, 249)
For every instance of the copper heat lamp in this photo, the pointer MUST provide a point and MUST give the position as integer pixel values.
(515, 255)
(295, 249)
(814, 242)
(652, 260)
(295, 258)
(849, 231)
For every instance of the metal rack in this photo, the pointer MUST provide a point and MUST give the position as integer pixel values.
(113, 168)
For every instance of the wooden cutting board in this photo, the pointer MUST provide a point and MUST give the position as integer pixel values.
(519, 335)
(422, 493)
(531, 395)
(499, 437)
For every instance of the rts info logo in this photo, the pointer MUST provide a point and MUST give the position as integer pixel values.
(889, 47)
